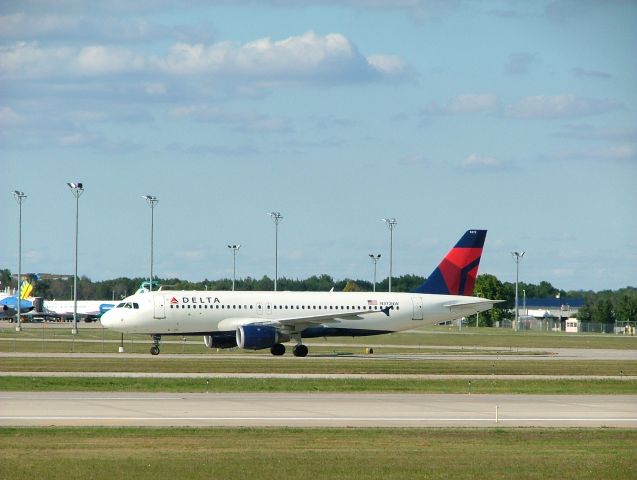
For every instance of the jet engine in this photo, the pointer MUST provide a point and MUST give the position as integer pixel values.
(256, 337)
(220, 340)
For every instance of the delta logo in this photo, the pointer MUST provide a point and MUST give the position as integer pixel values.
(194, 300)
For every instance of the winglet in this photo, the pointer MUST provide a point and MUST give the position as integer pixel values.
(456, 274)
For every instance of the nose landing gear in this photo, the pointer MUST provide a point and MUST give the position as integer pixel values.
(154, 350)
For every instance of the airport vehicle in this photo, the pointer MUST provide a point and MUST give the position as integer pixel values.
(260, 320)
(9, 304)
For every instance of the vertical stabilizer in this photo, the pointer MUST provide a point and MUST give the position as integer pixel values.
(25, 289)
(456, 274)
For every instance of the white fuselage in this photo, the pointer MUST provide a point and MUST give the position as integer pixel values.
(202, 312)
(84, 307)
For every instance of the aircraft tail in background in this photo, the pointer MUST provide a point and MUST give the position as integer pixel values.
(25, 290)
(456, 274)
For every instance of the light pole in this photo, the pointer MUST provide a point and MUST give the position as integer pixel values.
(276, 218)
(517, 256)
(77, 189)
(375, 260)
(19, 197)
(152, 201)
(235, 249)
(391, 224)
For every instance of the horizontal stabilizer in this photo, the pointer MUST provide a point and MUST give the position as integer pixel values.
(471, 308)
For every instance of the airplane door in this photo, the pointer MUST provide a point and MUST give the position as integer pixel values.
(259, 309)
(268, 308)
(417, 302)
(160, 311)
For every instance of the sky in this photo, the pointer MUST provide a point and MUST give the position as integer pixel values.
(512, 116)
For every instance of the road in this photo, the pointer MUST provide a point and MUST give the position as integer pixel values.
(316, 410)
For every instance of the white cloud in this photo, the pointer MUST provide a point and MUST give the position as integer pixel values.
(28, 60)
(466, 103)
(8, 116)
(308, 58)
(620, 152)
(98, 60)
(389, 65)
(242, 121)
(97, 143)
(155, 88)
(473, 103)
(475, 161)
(559, 106)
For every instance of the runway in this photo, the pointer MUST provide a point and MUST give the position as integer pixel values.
(518, 354)
(316, 410)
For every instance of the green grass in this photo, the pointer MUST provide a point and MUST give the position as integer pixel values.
(423, 338)
(269, 364)
(151, 453)
(230, 385)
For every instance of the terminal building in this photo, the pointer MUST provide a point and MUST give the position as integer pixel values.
(551, 314)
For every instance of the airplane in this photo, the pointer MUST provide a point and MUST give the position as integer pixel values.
(9, 304)
(260, 320)
(88, 310)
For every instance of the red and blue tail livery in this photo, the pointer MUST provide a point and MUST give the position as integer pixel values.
(456, 274)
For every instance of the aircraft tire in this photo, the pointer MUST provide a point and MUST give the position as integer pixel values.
(277, 349)
(300, 351)
(154, 350)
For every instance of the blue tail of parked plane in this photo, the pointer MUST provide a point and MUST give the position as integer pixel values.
(456, 274)
(9, 305)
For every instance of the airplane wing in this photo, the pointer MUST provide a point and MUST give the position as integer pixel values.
(299, 323)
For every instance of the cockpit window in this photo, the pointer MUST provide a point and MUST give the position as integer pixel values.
(120, 305)
(135, 306)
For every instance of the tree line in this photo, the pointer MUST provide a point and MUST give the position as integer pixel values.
(607, 306)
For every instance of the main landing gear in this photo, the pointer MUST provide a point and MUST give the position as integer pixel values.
(299, 350)
(154, 350)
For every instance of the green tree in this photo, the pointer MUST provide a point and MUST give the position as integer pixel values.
(603, 312)
(488, 286)
(5, 278)
(351, 286)
(626, 308)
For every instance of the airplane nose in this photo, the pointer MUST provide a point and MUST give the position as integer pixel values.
(107, 320)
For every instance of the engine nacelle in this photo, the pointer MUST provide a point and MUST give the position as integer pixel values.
(220, 340)
(257, 337)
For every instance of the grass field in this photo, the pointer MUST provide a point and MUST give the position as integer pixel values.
(331, 365)
(107, 453)
(217, 385)
(51, 338)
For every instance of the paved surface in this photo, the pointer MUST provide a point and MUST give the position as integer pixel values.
(313, 409)
(525, 354)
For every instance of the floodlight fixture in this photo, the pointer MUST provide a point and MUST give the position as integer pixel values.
(151, 200)
(391, 224)
(276, 218)
(77, 189)
(19, 198)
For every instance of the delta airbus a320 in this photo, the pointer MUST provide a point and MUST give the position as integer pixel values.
(260, 320)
